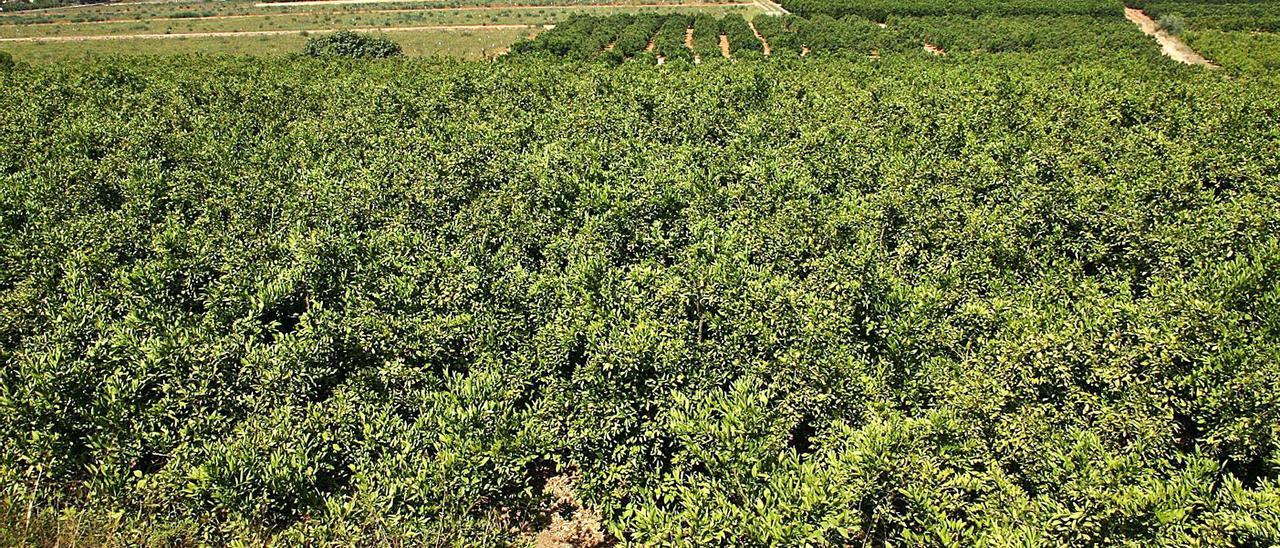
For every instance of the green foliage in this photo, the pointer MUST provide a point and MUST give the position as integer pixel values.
(1086, 37)
(1236, 15)
(6, 60)
(880, 10)
(981, 300)
(669, 41)
(741, 38)
(1255, 55)
(706, 37)
(1172, 23)
(352, 45)
(635, 37)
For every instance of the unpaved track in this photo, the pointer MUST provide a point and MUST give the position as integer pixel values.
(1169, 45)
(763, 43)
(259, 33)
(934, 49)
(724, 46)
(772, 8)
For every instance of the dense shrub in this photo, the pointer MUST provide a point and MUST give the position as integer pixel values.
(741, 39)
(982, 300)
(354, 45)
(6, 60)
(1244, 15)
(706, 36)
(669, 40)
(1173, 23)
(880, 10)
(633, 39)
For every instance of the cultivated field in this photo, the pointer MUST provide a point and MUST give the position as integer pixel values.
(244, 27)
(825, 273)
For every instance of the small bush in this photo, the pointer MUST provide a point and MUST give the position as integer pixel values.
(1173, 23)
(352, 44)
(6, 60)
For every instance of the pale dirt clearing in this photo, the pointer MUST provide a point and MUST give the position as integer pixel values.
(259, 33)
(724, 46)
(934, 49)
(763, 43)
(1169, 45)
(772, 8)
(582, 528)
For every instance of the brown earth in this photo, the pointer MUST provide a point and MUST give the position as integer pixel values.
(1170, 45)
(934, 49)
(582, 526)
(724, 46)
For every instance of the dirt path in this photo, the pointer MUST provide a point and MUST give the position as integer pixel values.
(650, 45)
(724, 46)
(259, 33)
(771, 8)
(1169, 45)
(763, 43)
(934, 49)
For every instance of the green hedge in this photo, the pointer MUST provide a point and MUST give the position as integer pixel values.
(353, 45)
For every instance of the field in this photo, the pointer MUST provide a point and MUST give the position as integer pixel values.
(456, 29)
(907, 273)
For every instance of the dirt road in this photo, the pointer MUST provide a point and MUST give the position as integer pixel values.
(1170, 45)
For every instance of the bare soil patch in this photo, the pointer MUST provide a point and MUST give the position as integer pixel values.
(934, 49)
(1170, 45)
(724, 46)
(572, 525)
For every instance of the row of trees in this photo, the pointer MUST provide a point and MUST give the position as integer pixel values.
(584, 37)
(1236, 15)
(880, 10)
(706, 36)
(1068, 35)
